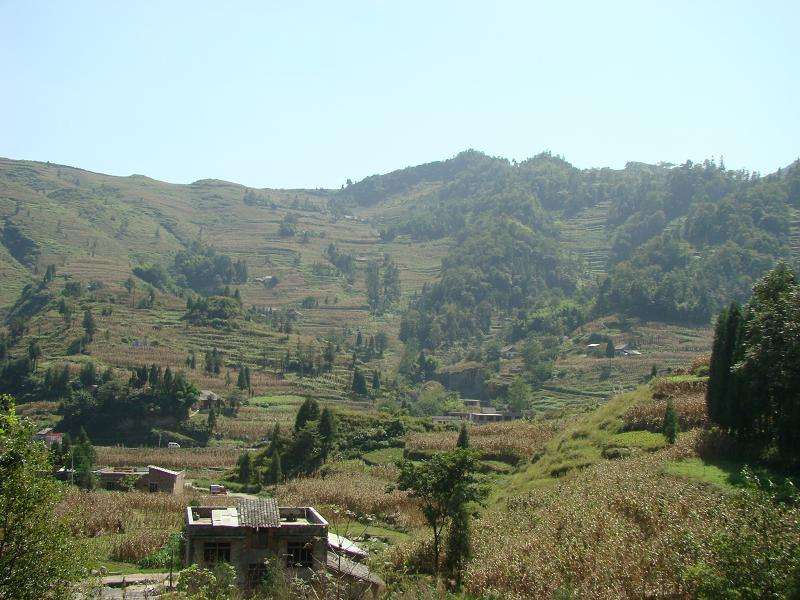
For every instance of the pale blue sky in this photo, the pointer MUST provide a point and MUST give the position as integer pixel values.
(307, 94)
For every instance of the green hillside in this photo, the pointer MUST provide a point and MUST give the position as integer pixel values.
(539, 255)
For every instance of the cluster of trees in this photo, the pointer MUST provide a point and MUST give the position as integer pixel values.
(368, 347)
(684, 239)
(302, 451)
(500, 266)
(688, 240)
(359, 383)
(129, 411)
(219, 312)
(288, 226)
(754, 376)
(383, 284)
(309, 360)
(344, 261)
(199, 267)
(206, 270)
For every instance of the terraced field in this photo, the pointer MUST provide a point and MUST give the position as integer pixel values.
(585, 234)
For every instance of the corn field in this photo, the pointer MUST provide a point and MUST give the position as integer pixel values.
(509, 440)
(175, 458)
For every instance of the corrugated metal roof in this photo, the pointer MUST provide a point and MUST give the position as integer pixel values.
(258, 513)
(338, 542)
(344, 566)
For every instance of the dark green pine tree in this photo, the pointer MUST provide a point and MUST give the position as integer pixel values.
(722, 401)
(327, 431)
(308, 411)
(244, 467)
(359, 385)
(670, 426)
(463, 437)
(459, 546)
(241, 379)
(275, 473)
(376, 382)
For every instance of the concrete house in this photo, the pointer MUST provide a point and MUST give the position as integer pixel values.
(152, 479)
(247, 534)
(256, 530)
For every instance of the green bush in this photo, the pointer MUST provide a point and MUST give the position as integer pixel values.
(171, 552)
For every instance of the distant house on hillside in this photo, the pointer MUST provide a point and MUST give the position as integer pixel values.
(152, 479)
(48, 436)
(475, 413)
(508, 352)
(207, 399)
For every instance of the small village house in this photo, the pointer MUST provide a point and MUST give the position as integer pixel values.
(152, 479)
(255, 531)
(49, 437)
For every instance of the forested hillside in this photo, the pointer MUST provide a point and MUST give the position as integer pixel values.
(442, 265)
(676, 242)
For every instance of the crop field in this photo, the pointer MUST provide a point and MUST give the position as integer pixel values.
(358, 488)
(511, 441)
(119, 529)
(171, 458)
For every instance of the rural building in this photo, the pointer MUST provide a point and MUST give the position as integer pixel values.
(508, 352)
(471, 404)
(48, 436)
(152, 479)
(475, 413)
(207, 399)
(253, 531)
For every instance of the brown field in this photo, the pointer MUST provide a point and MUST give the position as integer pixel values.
(179, 458)
(510, 440)
(357, 488)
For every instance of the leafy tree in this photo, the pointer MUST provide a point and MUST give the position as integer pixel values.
(241, 380)
(198, 583)
(130, 285)
(39, 559)
(88, 374)
(754, 376)
(376, 381)
(381, 342)
(519, 396)
(373, 282)
(443, 485)
(459, 545)
(610, 349)
(34, 352)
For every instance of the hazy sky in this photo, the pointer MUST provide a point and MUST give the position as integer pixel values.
(307, 94)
